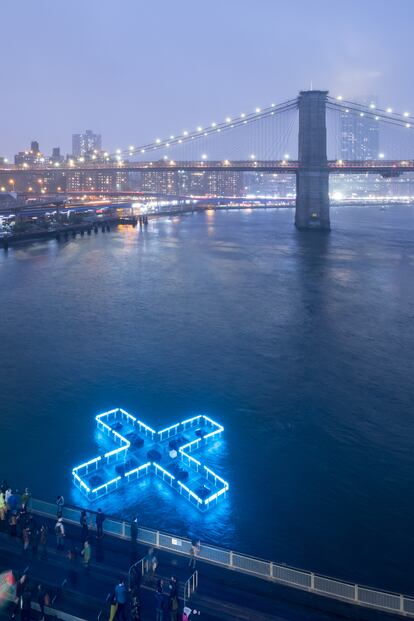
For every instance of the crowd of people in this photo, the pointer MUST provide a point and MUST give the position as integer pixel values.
(21, 524)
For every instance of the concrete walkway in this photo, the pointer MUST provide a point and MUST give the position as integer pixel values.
(222, 594)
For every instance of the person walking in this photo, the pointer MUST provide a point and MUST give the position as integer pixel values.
(86, 554)
(194, 552)
(100, 519)
(60, 534)
(121, 599)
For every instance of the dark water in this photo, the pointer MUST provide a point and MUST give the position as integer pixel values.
(300, 344)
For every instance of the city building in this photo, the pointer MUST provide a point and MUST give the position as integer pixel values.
(85, 144)
(56, 155)
(99, 181)
(30, 156)
(34, 147)
(359, 136)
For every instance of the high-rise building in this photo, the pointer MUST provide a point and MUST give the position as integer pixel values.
(85, 144)
(34, 147)
(56, 155)
(359, 136)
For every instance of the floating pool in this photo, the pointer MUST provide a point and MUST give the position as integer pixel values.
(140, 451)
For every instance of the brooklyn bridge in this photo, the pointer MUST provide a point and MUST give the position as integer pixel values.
(255, 142)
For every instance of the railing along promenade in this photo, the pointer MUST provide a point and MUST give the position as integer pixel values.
(309, 581)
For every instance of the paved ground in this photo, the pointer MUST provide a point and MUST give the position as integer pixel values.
(222, 594)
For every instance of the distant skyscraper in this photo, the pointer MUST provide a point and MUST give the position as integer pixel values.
(359, 136)
(34, 147)
(85, 144)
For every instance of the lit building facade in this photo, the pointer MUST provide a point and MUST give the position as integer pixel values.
(86, 143)
(359, 137)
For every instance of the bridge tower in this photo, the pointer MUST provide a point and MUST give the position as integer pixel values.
(312, 179)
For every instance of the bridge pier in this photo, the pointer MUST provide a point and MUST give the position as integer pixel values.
(312, 178)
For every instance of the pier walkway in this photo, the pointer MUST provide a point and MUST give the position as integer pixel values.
(225, 592)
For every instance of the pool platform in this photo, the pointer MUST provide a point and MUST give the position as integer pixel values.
(140, 451)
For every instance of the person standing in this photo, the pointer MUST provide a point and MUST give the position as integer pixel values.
(26, 604)
(3, 510)
(26, 496)
(42, 600)
(113, 608)
(100, 519)
(83, 521)
(159, 601)
(43, 542)
(60, 501)
(26, 540)
(134, 530)
(135, 607)
(173, 599)
(72, 574)
(34, 541)
(60, 534)
(13, 525)
(86, 553)
(121, 599)
(20, 587)
(194, 552)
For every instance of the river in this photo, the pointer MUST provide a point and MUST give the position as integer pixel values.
(301, 344)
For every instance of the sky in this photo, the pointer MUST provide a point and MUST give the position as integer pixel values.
(134, 70)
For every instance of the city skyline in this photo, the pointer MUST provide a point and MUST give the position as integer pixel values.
(125, 99)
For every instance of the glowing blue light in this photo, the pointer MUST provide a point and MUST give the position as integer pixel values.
(77, 477)
(190, 420)
(116, 418)
(168, 428)
(118, 450)
(87, 463)
(216, 495)
(143, 467)
(163, 470)
(106, 485)
(198, 499)
(193, 459)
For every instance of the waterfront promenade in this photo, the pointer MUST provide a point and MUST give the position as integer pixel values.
(222, 593)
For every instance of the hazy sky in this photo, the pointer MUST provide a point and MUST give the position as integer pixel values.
(135, 70)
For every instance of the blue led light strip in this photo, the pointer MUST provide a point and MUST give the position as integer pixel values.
(108, 422)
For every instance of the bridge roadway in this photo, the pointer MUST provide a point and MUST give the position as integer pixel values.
(385, 168)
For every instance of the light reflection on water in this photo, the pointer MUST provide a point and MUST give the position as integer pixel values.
(301, 345)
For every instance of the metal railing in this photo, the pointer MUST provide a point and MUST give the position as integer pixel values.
(190, 586)
(275, 572)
